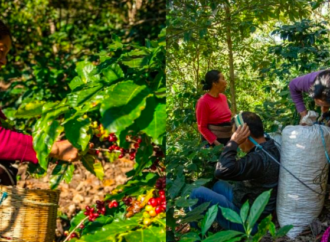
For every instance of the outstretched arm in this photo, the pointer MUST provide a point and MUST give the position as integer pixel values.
(17, 146)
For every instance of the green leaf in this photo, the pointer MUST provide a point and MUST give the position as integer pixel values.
(151, 233)
(284, 230)
(78, 132)
(190, 237)
(263, 227)
(113, 73)
(161, 92)
(142, 158)
(58, 174)
(124, 105)
(245, 211)
(76, 220)
(235, 239)
(257, 208)
(196, 214)
(223, 236)
(153, 120)
(98, 170)
(209, 218)
(45, 134)
(87, 71)
(88, 162)
(110, 232)
(136, 59)
(69, 173)
(116, 43)
(76, 82)
(231, 215)
(30, 110)
(272, 229)
(184, 202)
(9, 113)
(97, 224)
(177, 185)
(145, 183)
(86, 95)
(201, 182)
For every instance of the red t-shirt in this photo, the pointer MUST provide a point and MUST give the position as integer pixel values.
(16, 146)
(211, 110)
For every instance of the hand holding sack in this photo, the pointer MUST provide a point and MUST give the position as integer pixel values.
(309, 119)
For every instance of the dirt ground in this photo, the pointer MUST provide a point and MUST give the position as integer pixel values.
(84, 188)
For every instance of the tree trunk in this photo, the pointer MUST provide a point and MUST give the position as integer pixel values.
(52, 31)
(197, 71)
(231, 62)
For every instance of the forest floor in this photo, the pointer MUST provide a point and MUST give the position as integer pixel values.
(84, 188)
(315, 230)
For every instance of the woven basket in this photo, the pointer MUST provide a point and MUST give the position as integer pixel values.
(28, 215)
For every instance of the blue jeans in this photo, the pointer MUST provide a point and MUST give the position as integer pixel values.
(221, 194)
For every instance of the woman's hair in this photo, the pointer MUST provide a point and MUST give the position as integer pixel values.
(210, 77)
(4, 30)
(321, 87)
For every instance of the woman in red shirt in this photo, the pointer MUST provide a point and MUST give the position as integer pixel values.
(16, 146)
(212, 110)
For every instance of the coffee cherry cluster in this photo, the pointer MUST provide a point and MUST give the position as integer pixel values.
(113, 204)
(134, 207)
(100, 207)
(127, 200)
(154, 165)
(159, 154)
(161, 183)
(91, 213)
(73, 235)
(156, 205)
(108, 142)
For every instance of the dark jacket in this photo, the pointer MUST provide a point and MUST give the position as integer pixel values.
(255, 173)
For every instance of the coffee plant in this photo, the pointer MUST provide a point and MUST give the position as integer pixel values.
(115, 108)
(247, 217)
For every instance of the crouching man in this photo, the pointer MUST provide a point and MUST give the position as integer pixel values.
(252, 174)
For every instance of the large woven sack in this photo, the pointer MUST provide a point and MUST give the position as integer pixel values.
(277, 137)
(303, 153)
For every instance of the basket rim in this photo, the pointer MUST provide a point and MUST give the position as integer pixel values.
(8, 190)
(26, 189)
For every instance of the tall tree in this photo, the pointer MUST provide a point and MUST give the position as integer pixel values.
(232, 21)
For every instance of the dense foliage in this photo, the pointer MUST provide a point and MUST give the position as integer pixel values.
(259, 47)
(94, 72)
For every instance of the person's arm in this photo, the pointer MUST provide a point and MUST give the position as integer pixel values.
(64, 150)
(202, 122)
(299, 85)
(230, 168)
(324, 109)
(297, 96)
(17, 146)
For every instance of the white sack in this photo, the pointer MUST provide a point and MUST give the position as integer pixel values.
(302, 152)
(277, 137)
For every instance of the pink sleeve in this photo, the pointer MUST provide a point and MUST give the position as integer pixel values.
(16, 146)
(202, 121)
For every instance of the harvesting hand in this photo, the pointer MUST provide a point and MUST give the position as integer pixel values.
(216, 142)
(309, 118)
(241, 134)
(64, 150)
